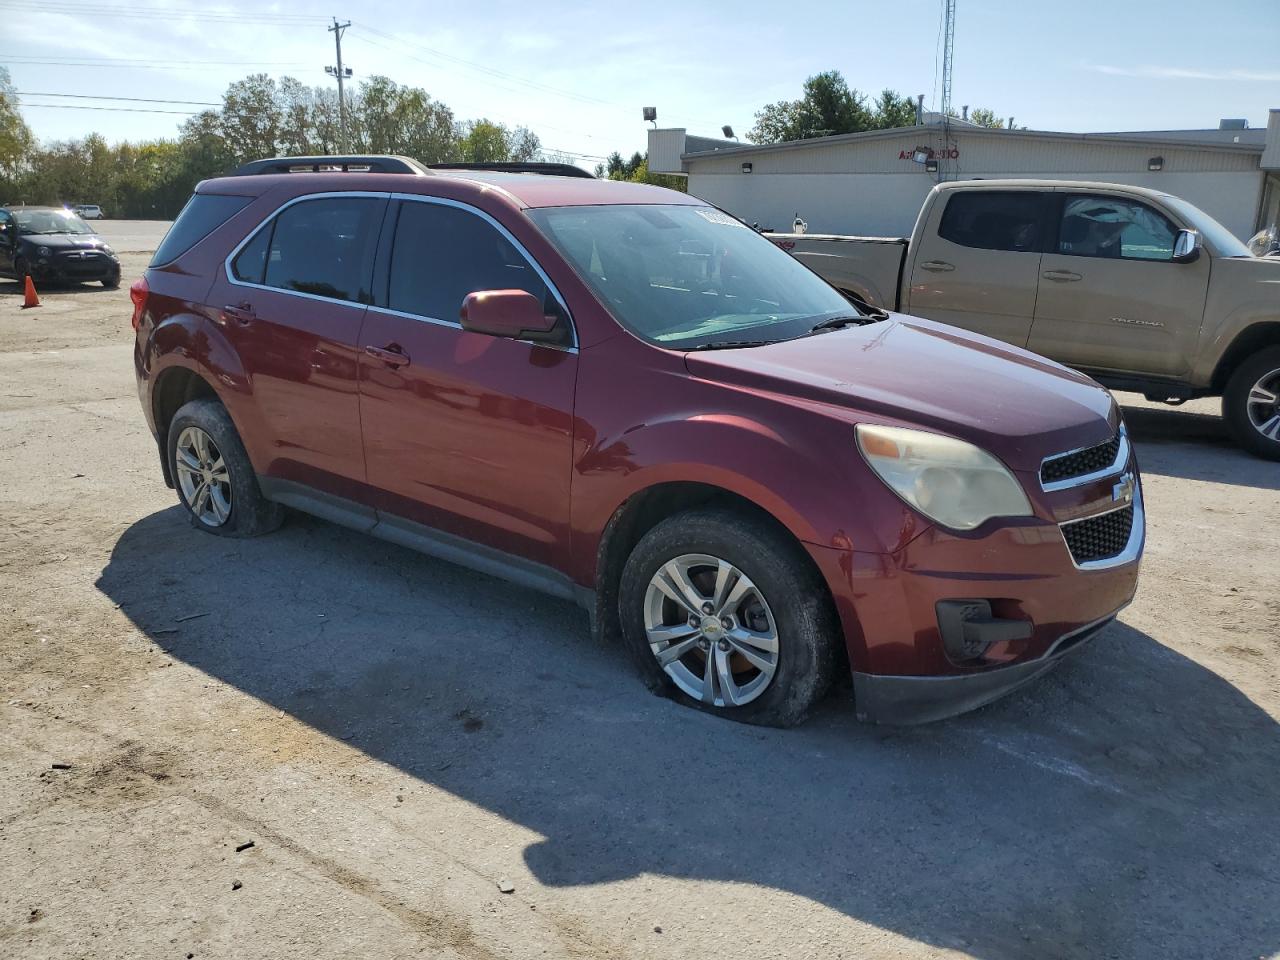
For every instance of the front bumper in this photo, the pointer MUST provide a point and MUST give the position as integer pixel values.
(62, 269)
(1022, 571)
(910, 700)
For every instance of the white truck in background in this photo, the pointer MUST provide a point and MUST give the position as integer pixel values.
(1140, 289)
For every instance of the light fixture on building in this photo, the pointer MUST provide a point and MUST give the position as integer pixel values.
(651, 115)
(920, 155)
(746, 167)
(728, 132)
(1155, 163)
(931, 166)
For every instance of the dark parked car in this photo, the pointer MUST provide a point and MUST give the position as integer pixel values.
(622, 396)
(51, 243)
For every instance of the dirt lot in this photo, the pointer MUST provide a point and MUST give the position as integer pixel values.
(397, 736)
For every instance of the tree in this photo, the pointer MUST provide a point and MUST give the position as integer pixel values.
(986, 118)
(250, 120)
(827, 107)
(636, 170)
(894, 110)
(390, 118)
(16, 141)
(484, 141)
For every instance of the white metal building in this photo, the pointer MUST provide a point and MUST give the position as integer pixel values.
(873, 183)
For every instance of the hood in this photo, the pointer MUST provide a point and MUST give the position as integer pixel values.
(65, 241)
(1014, 403)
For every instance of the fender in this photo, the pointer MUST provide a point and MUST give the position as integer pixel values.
(802, 478)
(191, 340)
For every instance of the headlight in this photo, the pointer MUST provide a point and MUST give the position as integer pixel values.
(949, 481)
(107, 250)
(43, 251)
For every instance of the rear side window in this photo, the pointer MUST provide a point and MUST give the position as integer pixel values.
(203, 214)
(994, 221)
(442, 253)
(323, 247)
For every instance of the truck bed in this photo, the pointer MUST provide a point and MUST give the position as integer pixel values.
(869, 267)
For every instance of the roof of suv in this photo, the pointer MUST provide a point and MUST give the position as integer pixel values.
(523, 189)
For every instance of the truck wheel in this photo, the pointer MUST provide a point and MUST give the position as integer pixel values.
(721, 611)
(1251, 403)
(212, 473)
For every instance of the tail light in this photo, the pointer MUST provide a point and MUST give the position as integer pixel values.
(138, 294)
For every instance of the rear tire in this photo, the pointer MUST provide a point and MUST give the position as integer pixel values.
(771, 645)
(213, 476)
(1251, 404)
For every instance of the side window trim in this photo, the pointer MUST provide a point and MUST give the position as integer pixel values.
(269, 223)
(385, 249)
(1064, 195)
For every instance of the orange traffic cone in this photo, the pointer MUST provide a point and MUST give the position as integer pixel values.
(30, 300)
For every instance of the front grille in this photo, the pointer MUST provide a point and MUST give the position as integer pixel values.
(1100, 537)
(1080, 463)
(87, 264)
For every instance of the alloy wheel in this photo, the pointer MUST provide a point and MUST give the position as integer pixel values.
(711, 630)
(1263, 405)
(203, 477)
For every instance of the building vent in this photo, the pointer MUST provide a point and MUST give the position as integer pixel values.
(1227, 124)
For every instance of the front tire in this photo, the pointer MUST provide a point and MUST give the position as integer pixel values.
(213, 476)
(1251, 404)
(722, 611)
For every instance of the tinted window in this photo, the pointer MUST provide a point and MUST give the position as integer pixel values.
(442, 253)
(203, 213)
(994, 221)
(1114, 227)
(324, 247)
(251, 261)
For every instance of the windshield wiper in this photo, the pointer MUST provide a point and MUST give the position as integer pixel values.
(869, 315)
(731, 344)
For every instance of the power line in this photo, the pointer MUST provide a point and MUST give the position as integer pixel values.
(152, 64)
(92, 96)
(79, 106)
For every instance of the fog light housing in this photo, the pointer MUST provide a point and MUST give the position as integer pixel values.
(968, 629)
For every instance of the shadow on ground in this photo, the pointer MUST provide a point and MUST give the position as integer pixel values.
(1195, 446)
(1123, 806)
(51, 288)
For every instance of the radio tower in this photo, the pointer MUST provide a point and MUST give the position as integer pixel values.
(948, 45)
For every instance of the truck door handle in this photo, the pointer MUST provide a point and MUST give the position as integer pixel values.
(1061, 276)
(242, 313)
(937, 266)
(392, 354)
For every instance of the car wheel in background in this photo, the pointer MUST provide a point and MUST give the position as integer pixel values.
(1251, 403)
(111, 283)
(722, 611)
(213, 475)
(20, 269)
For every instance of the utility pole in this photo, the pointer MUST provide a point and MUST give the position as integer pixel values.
(341, 73)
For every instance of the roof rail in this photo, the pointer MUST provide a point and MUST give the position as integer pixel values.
(343, 164)
(546, 169)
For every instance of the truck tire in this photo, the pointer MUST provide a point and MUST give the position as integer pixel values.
(215, 481)
(720, 610)
(1251, 403)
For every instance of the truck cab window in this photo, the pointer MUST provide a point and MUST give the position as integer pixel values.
(1012, 220)
(1114, 228)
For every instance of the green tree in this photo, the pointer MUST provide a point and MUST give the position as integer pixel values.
(636, 170)
(827, 107)
(986, 118)
(250, 121)
(16, 141)
(390, 118)
(484, 141)
(893, 110)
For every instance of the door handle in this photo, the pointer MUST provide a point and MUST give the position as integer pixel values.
(937, 266)
(392, 354)
(1061, 276)
(242, 313)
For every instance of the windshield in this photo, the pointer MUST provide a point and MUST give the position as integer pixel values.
(35, 222)
(1226, 243)
(685, 276)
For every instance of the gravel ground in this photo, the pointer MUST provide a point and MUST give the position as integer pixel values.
(398, 738)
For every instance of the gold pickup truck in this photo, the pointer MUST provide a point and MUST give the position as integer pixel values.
(1141, 290)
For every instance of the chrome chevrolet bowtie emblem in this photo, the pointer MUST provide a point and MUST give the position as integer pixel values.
(1122, 492)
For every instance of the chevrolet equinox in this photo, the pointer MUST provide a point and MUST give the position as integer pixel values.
(622, 396)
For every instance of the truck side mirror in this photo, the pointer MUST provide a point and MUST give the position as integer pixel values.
(1187, 245)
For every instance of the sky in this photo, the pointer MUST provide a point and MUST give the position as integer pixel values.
(578, 74)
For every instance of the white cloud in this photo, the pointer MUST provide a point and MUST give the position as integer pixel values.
(1187, 73)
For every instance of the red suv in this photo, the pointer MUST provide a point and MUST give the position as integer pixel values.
(619, 395)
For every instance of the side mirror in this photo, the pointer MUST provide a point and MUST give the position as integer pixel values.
(1187, 245)
(506, 313)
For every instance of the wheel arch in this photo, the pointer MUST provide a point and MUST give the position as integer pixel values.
(1257, 336)
(175, 386)
(644, 510)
